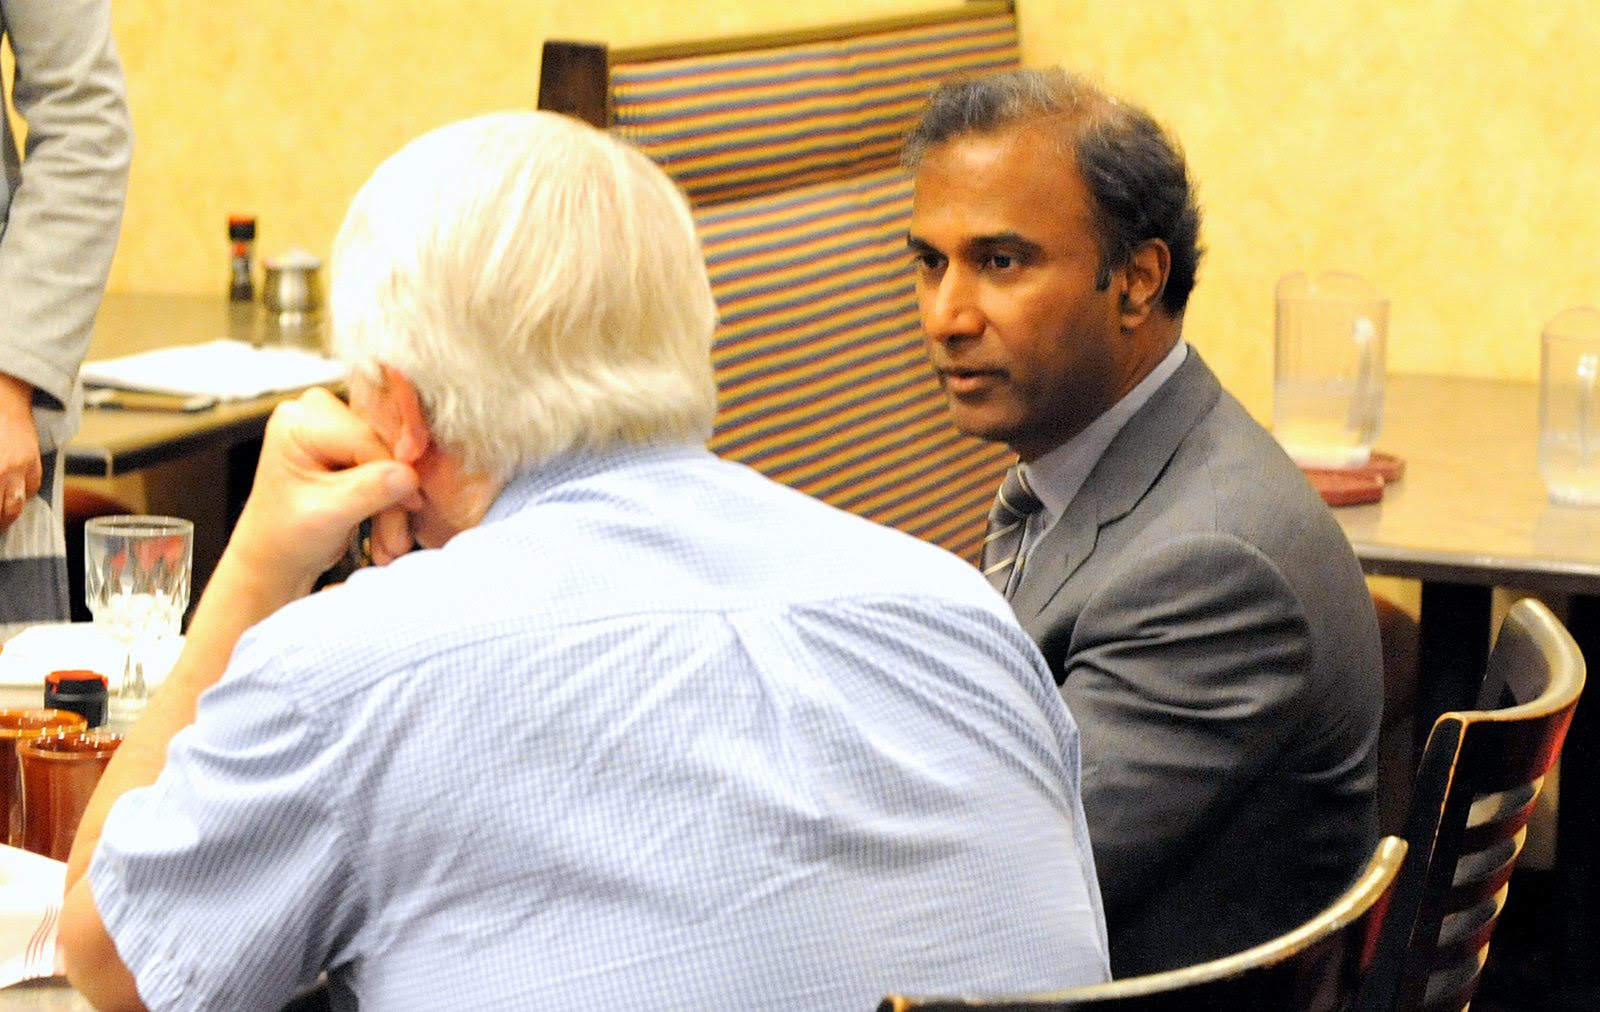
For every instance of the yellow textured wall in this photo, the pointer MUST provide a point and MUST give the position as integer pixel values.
(1446, 149)
(281, 110)
(1443, 148)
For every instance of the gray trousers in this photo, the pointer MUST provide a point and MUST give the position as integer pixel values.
(33, 558)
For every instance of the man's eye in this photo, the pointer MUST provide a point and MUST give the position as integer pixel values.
(927, 260)
(1002, 261)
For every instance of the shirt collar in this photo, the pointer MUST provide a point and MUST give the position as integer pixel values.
(1057, 476)
(578, 464)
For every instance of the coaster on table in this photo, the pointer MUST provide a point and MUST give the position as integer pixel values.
(1346, 488)
(1353, 486)
(1390, 467)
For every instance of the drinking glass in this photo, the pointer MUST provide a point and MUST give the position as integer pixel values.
(1329, 368)
(136, 582)
(1569, 409)
(59, 774)
(17, 726)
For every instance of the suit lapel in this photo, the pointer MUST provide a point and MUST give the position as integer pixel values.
(1122, 477)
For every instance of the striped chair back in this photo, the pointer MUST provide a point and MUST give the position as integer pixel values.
(788, 147)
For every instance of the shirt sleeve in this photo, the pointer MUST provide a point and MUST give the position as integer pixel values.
(66, 194)
(228, 882)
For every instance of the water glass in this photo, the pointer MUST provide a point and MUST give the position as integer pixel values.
(1329, 369)
(136, 582)
(1569, 409)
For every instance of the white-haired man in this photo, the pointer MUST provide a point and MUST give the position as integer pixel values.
(637, 728)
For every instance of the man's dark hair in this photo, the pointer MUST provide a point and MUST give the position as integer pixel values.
(1134, 171)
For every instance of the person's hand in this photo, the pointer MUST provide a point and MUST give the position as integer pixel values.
(322, 471)
(20, 470)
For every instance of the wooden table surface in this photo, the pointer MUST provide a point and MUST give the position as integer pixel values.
(1471, 508)
(53, 995)
(110, 443)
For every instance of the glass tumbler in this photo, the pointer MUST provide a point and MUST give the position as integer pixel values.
(1328, 369)
(59, 773)
(136, 583)
(1569, 411)
(17, 726)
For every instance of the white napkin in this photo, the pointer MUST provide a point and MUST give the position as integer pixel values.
(59, 646)
(232, 370)
(30, 909)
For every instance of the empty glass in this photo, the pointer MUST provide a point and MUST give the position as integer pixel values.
(136, 582)
(1329, 368)
(59, 774)
(17, 726)
(1569, 412)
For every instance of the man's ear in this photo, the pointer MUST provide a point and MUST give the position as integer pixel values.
(411, 438)
(1143, 277)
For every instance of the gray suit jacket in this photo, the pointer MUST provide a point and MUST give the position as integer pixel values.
(1216, 643)
(60, 212)
(61, 208)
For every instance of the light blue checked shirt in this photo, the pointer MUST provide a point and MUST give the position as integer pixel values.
(658, 733)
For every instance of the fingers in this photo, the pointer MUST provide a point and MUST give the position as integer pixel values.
(319, 431)
(322, 471)
(366, 490)
(18, 483)
(12, 499)
(371, 490)
(391, 536)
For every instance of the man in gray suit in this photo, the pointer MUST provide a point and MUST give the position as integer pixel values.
(1200, 607)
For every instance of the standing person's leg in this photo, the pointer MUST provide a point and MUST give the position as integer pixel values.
(33, 566)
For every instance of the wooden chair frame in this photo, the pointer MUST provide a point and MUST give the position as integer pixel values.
(1315, 966)
(1478, 781)
(574, 77)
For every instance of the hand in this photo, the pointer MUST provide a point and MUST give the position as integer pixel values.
(20, 470)
(322, 471)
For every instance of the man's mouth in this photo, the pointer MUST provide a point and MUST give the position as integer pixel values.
(968, 382)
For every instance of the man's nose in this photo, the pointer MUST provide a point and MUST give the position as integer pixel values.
(950, 307)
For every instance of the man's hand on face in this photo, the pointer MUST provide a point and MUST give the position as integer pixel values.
(20, 471)
(322, 471)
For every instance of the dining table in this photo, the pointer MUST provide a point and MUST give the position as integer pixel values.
(116, 442)
(1470, 515)
(52, 994)
(196, 464)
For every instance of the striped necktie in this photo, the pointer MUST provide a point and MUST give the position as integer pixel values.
(1008, 518)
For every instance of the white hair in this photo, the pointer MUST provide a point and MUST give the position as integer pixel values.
(539, 282)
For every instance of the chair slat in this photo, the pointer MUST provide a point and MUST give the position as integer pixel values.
(1480, 776)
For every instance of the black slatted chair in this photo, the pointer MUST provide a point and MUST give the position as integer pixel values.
(1476, 786)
